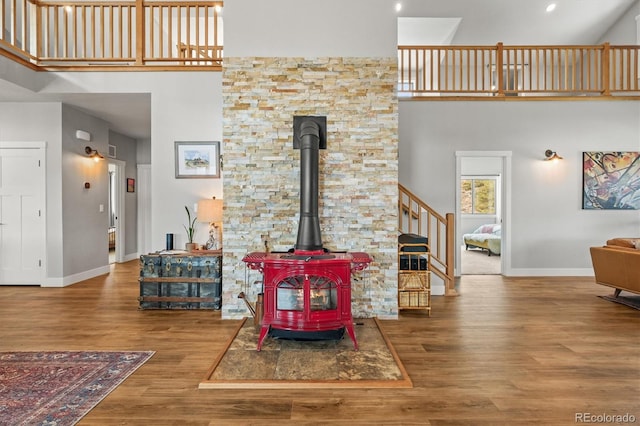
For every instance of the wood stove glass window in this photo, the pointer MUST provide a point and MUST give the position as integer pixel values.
(290, 294)
(323, 293)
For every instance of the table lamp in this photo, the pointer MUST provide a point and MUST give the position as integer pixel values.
(210, 211)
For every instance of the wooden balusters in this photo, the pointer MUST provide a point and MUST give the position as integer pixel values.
(512, 71)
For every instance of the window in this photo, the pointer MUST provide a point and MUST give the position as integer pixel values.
(478, 195)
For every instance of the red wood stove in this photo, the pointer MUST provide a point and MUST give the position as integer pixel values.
(307, 293)
(307, 290)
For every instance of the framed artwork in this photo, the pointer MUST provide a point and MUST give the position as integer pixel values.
(197, 159)
(131, 185)
(611, 180)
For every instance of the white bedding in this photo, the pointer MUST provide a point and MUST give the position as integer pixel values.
(486, 236)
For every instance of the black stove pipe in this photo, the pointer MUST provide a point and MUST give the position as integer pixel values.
(309, 237)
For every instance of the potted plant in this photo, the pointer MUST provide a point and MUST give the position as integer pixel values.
(191, 230)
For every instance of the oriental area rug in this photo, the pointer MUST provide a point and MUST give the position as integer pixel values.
(299, 364)
(59, 388)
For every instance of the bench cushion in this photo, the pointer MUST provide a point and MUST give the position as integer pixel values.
(413, 239)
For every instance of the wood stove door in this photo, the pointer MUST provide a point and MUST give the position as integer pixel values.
(322, 298)
(308, 296)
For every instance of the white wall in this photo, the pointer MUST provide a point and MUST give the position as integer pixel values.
(84, 226)
(550, 233)
(143, 151)
(306, 28)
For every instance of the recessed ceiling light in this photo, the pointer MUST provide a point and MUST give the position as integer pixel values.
(551, 7)
(398, 7)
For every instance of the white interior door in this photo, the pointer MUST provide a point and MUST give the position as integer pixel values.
(22, 215)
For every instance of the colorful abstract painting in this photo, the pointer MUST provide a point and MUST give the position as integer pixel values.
(611, 180)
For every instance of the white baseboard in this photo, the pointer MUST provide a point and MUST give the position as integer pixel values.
(542, 272)
(72, 279)
(437, 289)
(551, 272)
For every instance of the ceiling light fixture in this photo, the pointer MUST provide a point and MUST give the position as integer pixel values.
(93, 153)
(551, 155)
(551, 7)
(398, 7)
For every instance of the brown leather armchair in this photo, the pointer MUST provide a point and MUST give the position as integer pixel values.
(617, 264)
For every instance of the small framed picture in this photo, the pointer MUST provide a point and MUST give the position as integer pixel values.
(131, 185)
(197, 159)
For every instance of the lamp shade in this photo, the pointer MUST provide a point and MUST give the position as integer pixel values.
(210, 210)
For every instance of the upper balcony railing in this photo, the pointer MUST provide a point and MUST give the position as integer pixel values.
(187, 35)
(527, 71)
(79, 34)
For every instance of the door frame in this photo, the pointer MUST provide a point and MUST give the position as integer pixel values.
(144, 208)
(505, 256)
(120, 208)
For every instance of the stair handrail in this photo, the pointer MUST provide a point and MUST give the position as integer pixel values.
(440, 232)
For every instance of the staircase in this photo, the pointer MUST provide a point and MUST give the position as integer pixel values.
(416, 217)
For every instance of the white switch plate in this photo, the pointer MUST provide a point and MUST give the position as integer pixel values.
(101, 208)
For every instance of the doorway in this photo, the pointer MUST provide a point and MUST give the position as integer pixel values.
(487, 173)
(116, 230)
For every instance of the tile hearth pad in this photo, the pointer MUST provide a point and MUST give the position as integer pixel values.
(285, 364)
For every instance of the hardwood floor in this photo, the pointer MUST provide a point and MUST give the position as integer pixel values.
(515, 351)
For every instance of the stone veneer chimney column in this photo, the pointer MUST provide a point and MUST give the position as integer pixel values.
(358, 175)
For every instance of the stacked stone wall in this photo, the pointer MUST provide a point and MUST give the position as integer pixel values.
(358, 201)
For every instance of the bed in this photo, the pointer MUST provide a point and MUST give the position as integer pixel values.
(486, 237)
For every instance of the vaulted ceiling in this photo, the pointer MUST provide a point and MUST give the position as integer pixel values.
(514, 22)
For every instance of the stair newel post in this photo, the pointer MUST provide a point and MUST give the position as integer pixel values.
(450, 282)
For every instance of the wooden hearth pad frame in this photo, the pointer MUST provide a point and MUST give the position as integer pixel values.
(232, 368)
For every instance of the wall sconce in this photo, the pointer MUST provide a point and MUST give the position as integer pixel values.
(93, 153)
(210, 211)
(551, 155)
